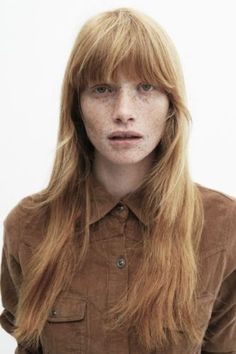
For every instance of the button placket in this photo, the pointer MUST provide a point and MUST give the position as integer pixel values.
(121, 211)
(120, 207)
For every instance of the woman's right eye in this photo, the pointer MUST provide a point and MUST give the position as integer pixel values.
(102, 89)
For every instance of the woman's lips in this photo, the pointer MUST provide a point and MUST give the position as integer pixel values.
(124, 134)
(125, 138)
(125, 141)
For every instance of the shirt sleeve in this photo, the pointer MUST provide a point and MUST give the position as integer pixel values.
(10, 280)
(220, 337)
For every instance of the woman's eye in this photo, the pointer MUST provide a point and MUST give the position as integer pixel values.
(102, 89)
(146, 87)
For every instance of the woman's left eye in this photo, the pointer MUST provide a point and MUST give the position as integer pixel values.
(146, 87)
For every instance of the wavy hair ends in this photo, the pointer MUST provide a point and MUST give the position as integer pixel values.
(167, 278)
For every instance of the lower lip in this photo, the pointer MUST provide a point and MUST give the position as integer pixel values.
(125, 142)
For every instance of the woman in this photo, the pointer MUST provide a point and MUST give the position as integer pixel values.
(122, 252)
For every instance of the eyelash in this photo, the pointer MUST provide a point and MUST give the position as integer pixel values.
(102, 86)
(111, 89)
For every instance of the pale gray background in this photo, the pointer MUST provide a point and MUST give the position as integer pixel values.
(36, 39)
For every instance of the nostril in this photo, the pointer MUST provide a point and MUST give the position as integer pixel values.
(124, 118)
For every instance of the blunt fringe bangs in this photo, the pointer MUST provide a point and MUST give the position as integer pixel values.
(129, 39)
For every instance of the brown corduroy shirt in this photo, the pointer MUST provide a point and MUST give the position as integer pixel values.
(75, 322)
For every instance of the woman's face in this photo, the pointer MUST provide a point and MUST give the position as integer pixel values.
(124, 120)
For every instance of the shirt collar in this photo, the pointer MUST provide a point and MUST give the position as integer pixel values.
(102, 202)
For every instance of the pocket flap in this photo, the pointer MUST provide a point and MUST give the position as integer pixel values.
(67, 309)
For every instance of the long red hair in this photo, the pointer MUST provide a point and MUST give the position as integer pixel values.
(166, 280)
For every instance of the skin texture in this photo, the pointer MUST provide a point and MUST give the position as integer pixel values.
(126, 104)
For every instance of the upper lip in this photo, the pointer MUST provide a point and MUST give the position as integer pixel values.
(125, 134)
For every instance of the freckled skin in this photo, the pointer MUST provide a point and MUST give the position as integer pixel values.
(124, 105)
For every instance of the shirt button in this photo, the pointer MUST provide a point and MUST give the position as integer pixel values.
(53, 313)
(120, 207)
(120, 262)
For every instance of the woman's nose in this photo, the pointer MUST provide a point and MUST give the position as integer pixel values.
(124, 107)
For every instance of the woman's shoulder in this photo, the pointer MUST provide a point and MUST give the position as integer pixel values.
(216, 203)
(210, 194)
(21, 222)
(16, 216)
(19, 213)
(219, 221)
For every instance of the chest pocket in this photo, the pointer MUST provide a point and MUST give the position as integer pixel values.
(65, 331)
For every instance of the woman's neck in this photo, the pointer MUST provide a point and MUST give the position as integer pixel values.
(120, 180)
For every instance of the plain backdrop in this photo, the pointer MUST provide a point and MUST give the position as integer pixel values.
(36, 39)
